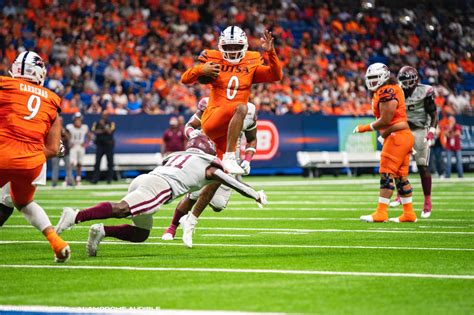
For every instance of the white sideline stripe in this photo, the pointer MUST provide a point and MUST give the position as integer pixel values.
(113, 310)
(168, 243)
(261, 271)
(395, 230)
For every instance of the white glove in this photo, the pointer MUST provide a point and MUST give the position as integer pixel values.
(381, 140)
(245, 165)
(262, 199)
(62, 149)
(356, 130)
(195, 133)
(430, 137)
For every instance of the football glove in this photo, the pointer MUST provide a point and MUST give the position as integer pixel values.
(363, 128)
(245, 165)
(62, 149)
(380, 139)
(430, 137)
(194, 133)
(262, 199)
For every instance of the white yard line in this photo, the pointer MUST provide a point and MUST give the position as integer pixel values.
(257, 271)
(169, 243)
(4, 309)
(270, 203)
(276, 183)
(224, 218)
(225, 235)
(385, 230)
(283, 208)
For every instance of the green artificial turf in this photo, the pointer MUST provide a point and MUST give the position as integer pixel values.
(308, 225)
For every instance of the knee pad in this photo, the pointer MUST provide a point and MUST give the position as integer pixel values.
(218, 203)
(194, 195)
(386, 181)
(402, 191)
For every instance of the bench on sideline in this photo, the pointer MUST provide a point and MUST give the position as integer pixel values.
(125, 161)
(314, 161)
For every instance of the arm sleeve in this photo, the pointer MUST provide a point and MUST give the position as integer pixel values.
(191, 75)
(271, 73)
(231, 182)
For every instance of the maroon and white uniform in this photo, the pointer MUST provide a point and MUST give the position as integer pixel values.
(180, 173)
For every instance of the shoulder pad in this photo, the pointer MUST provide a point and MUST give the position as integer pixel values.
(387, 93)
(210, 55)
(253, 56)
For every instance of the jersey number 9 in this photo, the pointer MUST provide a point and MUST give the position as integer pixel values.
(34, 103)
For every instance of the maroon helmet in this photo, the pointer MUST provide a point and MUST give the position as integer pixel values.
(408, 77)
(202, 143)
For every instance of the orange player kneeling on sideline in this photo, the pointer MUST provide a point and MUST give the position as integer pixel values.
(30, 133)
(388, 105)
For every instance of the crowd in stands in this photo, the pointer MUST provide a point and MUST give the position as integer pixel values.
(126, 57)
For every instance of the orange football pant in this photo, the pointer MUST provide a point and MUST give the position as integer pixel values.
(395, 157)
(21, 188)
(215, 121)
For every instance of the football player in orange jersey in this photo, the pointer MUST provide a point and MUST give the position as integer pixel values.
(388, 105)
(29, 135)
(232, 70)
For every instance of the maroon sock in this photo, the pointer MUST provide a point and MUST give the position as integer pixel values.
(426, 184)
(102, 210)
(127, 232)
(176, 216)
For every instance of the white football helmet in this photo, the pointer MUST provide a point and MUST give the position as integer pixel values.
(233, 35)
(377, 74)
(29, 66)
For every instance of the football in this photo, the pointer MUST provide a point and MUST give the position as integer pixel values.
(205, 79)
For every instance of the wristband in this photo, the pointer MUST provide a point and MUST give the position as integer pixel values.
(249, 152)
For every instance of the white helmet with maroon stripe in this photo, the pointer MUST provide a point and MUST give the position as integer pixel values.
(29, 66)
(233, 44)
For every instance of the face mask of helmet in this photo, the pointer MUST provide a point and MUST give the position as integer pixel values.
(408, 80)
(377, 74)
(233, 44)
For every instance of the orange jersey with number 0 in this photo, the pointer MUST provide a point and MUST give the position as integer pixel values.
(27, 112)
(233, 85)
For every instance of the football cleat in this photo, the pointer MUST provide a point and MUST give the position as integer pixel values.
(375, 217)
(167, 236)
(397, 202)
(96, 235)
(404, 218)
(67, 220)
(229, 162)
(425, 214)
(188, 223)
(62, 255)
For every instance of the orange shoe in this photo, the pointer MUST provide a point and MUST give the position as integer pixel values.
(405, 217)
(377, 216)
(62, 251)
